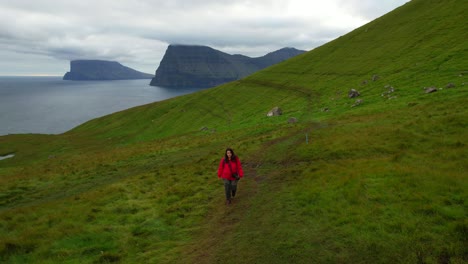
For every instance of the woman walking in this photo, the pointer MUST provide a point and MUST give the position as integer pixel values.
(230, 170)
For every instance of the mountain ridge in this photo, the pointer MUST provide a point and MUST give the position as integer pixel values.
(198, 66)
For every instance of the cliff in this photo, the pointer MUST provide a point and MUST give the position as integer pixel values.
(202, 67)
(94, 70)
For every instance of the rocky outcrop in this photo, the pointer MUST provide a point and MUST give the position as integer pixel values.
(97, 70)
(188, 66)
(353, 93)
(430, 89)
(276, 111)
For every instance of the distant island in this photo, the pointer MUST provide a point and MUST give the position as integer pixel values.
(194, 66)
(101, 70)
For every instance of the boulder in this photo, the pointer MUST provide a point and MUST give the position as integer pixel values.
(292, 120)
(276, 111)
(353, 93)
(430, 89)
(450, 85)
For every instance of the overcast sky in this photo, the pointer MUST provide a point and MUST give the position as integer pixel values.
(40, 37)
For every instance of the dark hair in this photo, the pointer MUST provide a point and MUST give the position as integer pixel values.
(226, 159)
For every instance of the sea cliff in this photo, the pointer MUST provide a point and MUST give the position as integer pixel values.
(95, 70)
(201, 66)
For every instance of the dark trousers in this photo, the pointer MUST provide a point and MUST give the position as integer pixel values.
(230, 187)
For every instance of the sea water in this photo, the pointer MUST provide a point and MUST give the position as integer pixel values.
(50, 105)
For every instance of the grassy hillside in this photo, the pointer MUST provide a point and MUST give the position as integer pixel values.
(381, 182)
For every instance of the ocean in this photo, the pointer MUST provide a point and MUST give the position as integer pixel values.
(50, 105)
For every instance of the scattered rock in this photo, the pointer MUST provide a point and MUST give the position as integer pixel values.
(390, 88)
(450, 85)
(375, 77)
(325, 109)
(387, 93)
(276, 111)
(364, 82)
(292, 120)
(411, 104)
(212, 130)
(430, 89)
(358, 102)
(353, 93)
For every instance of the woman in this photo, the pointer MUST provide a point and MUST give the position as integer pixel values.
(229, 166)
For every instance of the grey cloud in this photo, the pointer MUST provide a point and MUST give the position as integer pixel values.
(138, 32)
(370, 9)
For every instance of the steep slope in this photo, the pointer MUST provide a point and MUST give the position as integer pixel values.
(98, 70)
(408, 49)
(202, 67)
(381, 182)
(412, 46)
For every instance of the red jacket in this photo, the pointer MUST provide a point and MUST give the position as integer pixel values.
(225, 172)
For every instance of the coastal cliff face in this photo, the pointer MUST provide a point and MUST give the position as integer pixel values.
(96, 70)
(187, 66)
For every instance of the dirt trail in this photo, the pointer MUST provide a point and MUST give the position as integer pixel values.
(223, 219)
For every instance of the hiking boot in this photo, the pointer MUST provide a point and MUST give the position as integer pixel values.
(228, 202)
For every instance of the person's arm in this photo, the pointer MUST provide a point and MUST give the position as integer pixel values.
(220, 168)
(239, 168)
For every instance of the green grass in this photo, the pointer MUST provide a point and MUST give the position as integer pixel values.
(382, 182)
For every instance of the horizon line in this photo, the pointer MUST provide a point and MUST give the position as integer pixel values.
(30, 75)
